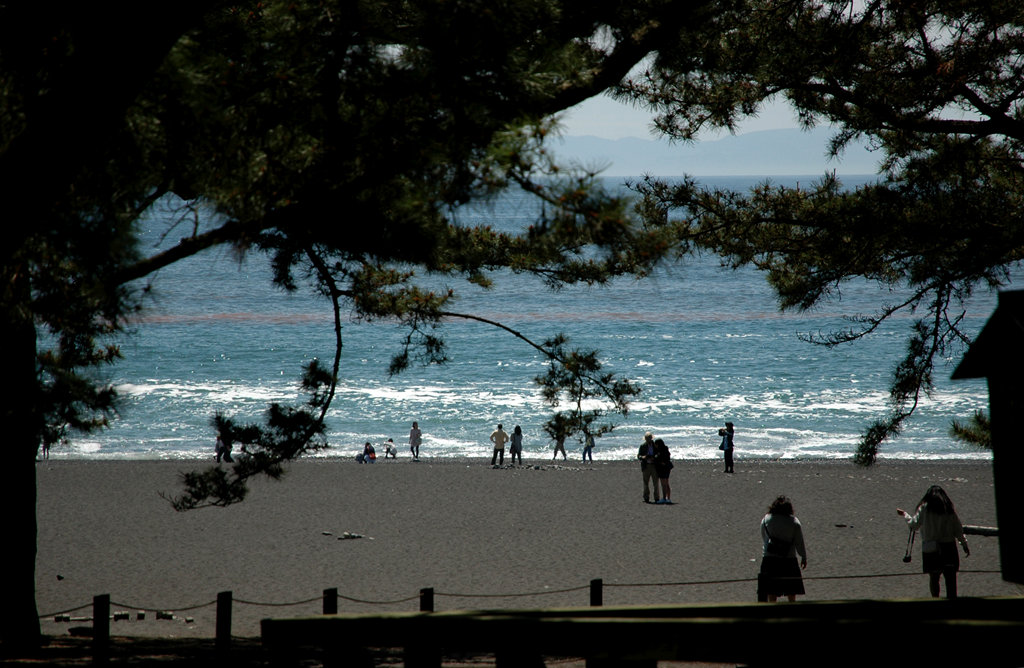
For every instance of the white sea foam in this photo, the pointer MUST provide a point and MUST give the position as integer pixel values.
(704, 344)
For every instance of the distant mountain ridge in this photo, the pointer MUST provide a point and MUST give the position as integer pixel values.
(763, 153)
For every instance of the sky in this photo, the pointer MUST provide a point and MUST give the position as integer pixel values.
(604, 117)
(716, 153)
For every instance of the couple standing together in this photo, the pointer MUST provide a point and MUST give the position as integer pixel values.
(499, 437)
(656, 465)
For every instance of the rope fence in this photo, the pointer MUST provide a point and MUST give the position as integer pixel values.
(102, 605)
(333, 593)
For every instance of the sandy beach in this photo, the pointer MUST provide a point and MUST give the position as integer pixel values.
(525, 537)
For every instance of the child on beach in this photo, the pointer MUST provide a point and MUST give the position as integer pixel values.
(415, 436)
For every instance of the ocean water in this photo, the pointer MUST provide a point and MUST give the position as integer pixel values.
(706, 344)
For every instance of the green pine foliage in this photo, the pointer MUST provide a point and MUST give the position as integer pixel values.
(976, 431)
(337, 137)
(934, 87)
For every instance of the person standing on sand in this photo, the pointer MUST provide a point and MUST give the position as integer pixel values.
(222, 450)
(559, 447)
(782, 539)
(726, 445)
(588, 447)
(499, 437)
(663, 465)
(515, 448)
(415, 437)
(646, 456)
(940, 526)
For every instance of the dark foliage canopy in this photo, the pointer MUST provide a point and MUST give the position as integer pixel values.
(337, 136)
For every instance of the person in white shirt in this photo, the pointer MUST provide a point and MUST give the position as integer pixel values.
(499, 437)
(940, 529)
(782, 539)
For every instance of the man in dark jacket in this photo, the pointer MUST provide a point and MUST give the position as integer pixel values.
(650, 473)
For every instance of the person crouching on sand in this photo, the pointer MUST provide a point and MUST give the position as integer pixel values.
(368, 455)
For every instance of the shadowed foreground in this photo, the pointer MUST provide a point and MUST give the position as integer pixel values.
(245, 652)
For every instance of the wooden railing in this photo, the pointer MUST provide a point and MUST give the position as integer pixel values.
(962, 632)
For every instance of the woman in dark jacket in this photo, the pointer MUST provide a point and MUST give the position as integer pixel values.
(663, 465)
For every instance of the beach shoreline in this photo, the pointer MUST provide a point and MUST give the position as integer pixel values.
(482, 538)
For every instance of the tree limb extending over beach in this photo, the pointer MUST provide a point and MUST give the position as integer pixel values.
(935, 89)
(350, 128)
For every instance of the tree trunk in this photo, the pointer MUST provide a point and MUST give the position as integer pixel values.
(60, 139)
(19, 619)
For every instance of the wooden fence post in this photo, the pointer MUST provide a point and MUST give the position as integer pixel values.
(596, 593)
(427, 599)
(331, 601)
(101, 627)
(424, 653)
(223, 641)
